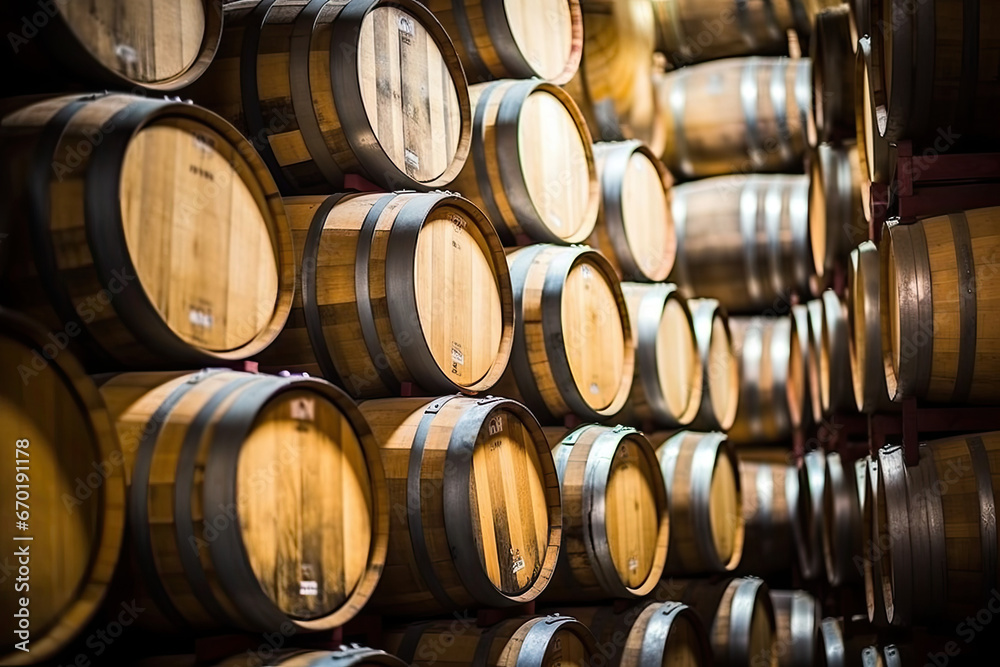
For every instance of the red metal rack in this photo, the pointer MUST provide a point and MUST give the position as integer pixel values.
(915, 423)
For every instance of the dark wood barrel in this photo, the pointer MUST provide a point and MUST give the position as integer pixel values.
(346, 656)
(812, 482)
(797, 620)
(737, 115)
(615, 524)
(744, 240)
(397, 288)
(541, 641)
(702, 480)
(876, 158)
(63, 478)
(843, 531)
(649, 633)
(573, 350)
(667, 385)
(865, 324)
(720, 369)
(802, 350)
(835, 215)
(838, 651)
(157, 45)
(513, 39)
(770, 498)
(831, 50)
(769, 382)
(871, 656)
(635, 229)
(939, 289)
(836, 391)
(152, 235)
(325, 89)
(819, 371)
(476, 515)
(255, 500)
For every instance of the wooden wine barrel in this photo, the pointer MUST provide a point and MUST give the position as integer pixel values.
(152, 235)
(812, 481)
(818, 367)
(541, 641)
(843, 535)
(648, 633)
(872, 657)
(744, 240)
(615, 525)
(478, 520)
(255, 500)
(514, 39)
(720, 379)
(688, 32)
(939, 292)
(770, 498)
(573, 349)
(835, 215)
(937, 64)
(876, 158)
(667, 384)
(156, 45)
(797, 620)
(837, 393)
(635, 230)
(702, 479)
(891, 543)
(865, 324)
(345, 656)
(532, 166)
(397, 288)
(63, 478)
(832, 54)
(324, 89)
(802, 413)
(737, 115)
(769, 382)
(871, 550)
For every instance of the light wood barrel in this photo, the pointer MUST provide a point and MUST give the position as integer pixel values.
(871, 551)
(843, 534)
(324, 89)
(934, 62)
(802, 413)
(865, 324)
(532, 165)
(152, 236)
(770, 497)
(541, 641)
(939, 294)
(702, 479)
(477, 516)
(515, 39)
(255, 500)
(737, 115)
(345, 656)
(649, 633)
(615, 525)
(819, 370)
(688, 31)
(157, 45)
(832, 53)
(890, 537)
(769, 382)
(667, 385)
(835, 215)
(876, 159)
(394, 288)
(635, 229)
(812, 482)
(720, 370)
(744, 240)
(573, 349)
(837, 393)
(63, 477)
(797, 620)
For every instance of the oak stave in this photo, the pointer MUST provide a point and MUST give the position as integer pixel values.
(835, 208)
(397, 288)
(770, 498)
(108, 257)
(573, 349)
(737, 115)
(797, 625)
(720, 380)
(635, 230)
(837, 393)
(891, 541)
(213, 500)
(59, 414)
(871, 550)
(769, 380)
(450, 548)
(615, 525)
(876, 158)
(702, 480)
(832, 54)
(865, 324)
(938, 294)
(810, 517)
(508, 40)
(744, 240)
(843, 532)
(392, 108)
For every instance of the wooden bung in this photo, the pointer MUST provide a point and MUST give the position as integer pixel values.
(394, 288)
(702, 479)
(837, 394)
(720, 370)
(514, 39)
(769, 381)
(769, 508)
(797, 620)
(635, 229)
(668, 382)
(615, 525)
(835, 215)
(833, 89)
(744, 240)
(477, 516)
(255, 500)
(325, 89)
(152, 236)
(63, 479)
(865, 323)
(573, 349)
(843, 535)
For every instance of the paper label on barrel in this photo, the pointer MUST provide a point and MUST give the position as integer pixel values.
(518, 563)
(406, 29)
(411, 159)
(200, 317)
(308, 588)
(633, 564)
(304, 409)
(457, 357)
